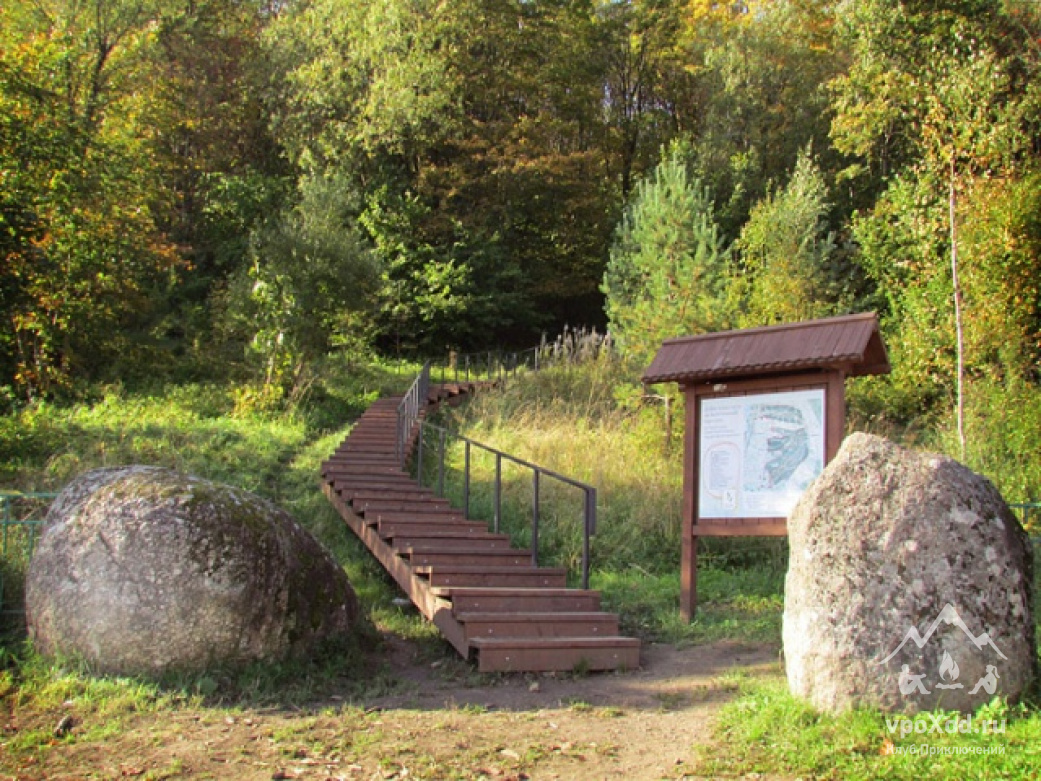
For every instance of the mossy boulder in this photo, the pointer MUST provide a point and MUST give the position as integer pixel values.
(144, 570)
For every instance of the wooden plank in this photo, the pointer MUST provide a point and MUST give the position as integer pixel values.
(358, 458)
(390, 529)
(529, 577)
(406, 493)
(505, 557)
(415, 516)
(471, 599)
(381, 471)
(740, 527)
(419, 509)
(562, 653)
(509, 624)
(451, 539)
(403, 483)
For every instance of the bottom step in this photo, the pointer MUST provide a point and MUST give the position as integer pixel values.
(520, 654)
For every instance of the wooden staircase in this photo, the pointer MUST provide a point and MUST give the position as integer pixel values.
(486, 597)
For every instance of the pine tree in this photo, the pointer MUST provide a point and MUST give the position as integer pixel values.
(666, 269)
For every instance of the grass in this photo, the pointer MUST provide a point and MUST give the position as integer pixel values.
(767, 730)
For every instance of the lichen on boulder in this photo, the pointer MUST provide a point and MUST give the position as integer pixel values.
(908, 587)
(144, 570)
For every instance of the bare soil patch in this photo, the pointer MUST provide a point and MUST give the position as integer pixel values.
(443, 721)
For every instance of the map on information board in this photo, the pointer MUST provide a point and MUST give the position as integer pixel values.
(759, 452)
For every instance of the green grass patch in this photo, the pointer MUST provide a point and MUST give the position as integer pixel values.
(743, 605)
(767, 731)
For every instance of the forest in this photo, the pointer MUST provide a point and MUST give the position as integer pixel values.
(227, 190)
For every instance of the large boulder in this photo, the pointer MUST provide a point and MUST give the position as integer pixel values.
(909, 585)
(145, 570)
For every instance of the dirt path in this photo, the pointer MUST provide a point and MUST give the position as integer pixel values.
(444, 722)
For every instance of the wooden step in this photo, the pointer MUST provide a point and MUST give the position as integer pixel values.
(368, 455)
(359, 458)
(503, 624)
(419, 505)
(506, 557)
(360, 495)
(389, 530)
(541, 654)
(520, 600)
(450, 539)
(430, 515)
(385, 479)
(376, 484)
(332, 469)
(492, 575)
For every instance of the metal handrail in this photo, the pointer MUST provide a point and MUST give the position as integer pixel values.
(411, 405)
(589, 505)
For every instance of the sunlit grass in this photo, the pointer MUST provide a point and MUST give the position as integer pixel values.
(767, 730)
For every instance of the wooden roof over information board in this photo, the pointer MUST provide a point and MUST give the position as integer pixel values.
(851, 344)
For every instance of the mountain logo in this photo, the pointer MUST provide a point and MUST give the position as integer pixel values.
(948, 670)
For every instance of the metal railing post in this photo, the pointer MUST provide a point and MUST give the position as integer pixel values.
(535, 518)
(441, 467)
(466, 479)
(498, 490)
(419, 457)
(409, 410)
(590, 530)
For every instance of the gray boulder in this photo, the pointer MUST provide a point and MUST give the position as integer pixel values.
(908, 587)
(145, 570)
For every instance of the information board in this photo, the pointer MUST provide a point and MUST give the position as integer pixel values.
(759, 452)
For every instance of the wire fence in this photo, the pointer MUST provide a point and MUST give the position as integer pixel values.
(21, 517)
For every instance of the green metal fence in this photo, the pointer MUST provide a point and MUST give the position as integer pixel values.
(21, 516)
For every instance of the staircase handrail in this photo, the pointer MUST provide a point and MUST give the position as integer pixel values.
(538, 471)
(409, 409)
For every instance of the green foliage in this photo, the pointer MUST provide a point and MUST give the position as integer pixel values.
(1001, 251)
(786, 272)
(666, 271)
(758, 103)
(310, 273)
(80, 245)
(1003, 431)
